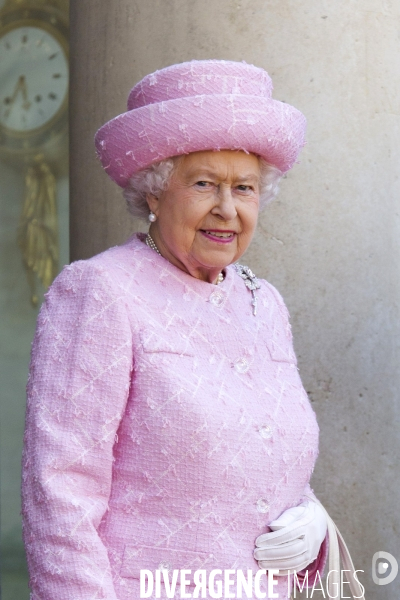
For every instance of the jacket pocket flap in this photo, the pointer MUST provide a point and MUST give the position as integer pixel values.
(174, 344)
(152, 558)
(281, 350)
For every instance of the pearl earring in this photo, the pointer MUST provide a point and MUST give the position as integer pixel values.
(152, 217)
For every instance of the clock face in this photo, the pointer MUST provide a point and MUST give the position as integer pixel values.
(33, 78)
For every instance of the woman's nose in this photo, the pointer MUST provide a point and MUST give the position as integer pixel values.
(225, 206)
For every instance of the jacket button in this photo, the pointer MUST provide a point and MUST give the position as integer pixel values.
(266, 431)
(217, 298)
(241, 365)
(262, 505)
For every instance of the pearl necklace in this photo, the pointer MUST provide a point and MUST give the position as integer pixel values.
(151, 244)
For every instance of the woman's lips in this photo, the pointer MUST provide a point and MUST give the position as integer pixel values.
(219, 235)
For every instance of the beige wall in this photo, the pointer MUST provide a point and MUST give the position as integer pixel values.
(330, 243)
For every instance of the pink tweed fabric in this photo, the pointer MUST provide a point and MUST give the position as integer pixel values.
(165, 423)
(200, 105)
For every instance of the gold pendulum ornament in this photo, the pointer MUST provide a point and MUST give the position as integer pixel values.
(38, 228)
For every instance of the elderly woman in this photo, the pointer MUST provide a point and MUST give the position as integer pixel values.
(167, 426)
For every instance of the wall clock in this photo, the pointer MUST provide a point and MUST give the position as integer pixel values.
(33, 79)
(34, 70)
(34, 75)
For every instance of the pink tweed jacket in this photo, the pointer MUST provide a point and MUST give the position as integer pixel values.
(165, 424)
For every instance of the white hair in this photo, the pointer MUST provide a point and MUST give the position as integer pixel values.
(155, 179)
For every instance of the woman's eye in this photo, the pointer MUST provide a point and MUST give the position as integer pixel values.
(203, 184)
(244, 188)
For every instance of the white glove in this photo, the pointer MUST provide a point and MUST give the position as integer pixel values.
(295, 539)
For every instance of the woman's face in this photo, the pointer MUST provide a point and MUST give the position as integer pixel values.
(207, 216)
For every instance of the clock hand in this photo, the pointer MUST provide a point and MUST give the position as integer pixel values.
(11, 100)
(20, 85)
(26, 105)
(17, 88)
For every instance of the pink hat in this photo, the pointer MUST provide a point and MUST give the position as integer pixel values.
(200, 105)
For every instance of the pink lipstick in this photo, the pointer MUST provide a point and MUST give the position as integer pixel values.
(221, 236)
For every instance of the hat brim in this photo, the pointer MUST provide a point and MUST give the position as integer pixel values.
(138, 138)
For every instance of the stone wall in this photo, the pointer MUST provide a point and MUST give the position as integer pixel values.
(330, 242)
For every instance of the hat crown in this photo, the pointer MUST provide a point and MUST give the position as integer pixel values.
(198, 78)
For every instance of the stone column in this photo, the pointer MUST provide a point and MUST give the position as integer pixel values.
(330, 243)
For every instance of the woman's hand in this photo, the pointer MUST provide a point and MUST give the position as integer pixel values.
(295, 539)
